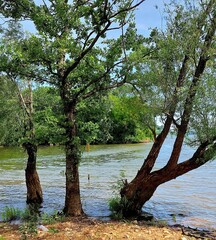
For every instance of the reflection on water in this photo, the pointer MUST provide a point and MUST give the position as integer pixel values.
(189, 200)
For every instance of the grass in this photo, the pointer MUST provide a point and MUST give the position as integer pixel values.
(52, 218)
(10, 213)
(115, 203)
(30, 218)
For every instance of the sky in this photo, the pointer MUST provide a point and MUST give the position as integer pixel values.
(147, 16)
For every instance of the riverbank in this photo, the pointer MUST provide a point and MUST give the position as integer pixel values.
(88, 228)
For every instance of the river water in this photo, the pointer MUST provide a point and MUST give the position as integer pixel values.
(189, 200)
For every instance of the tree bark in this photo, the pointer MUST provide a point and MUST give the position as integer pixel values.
(34, 190)
(142, 188)
(73, 205)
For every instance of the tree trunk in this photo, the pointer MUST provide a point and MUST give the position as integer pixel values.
(34, 190)
(73, 205)
(143, 186)
(141, 189)
(136, 194)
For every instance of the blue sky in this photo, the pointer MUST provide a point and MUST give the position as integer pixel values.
(148, 16)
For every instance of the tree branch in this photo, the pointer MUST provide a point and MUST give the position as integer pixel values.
(96, 80)
(153, 154)
(22, 101)
(204, 153)
(191, 96)
(84, 52)
(96, 38)
(131, 7)
(99, 89)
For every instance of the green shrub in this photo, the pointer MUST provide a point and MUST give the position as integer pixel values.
(51, 218)
(115, 208)
(30, 214)
(30, 218)
(10, 213)
(118, 205)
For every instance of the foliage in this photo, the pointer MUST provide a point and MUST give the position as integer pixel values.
(52, 218)
(28, 229)
(30, 214)
(53, 230)
(118, 205)
(48, 116)
(203, 119)
(116, 118)
(30, 218)
(127, 114)
(10, 213)
(93, 121)
(157, 223)
(11, 119)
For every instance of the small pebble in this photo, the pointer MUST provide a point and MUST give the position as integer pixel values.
(42, 228)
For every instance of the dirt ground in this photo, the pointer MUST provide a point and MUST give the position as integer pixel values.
(87, 229)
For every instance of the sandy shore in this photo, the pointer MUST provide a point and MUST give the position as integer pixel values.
(86, 229)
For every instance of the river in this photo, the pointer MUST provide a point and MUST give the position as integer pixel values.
(188, 200)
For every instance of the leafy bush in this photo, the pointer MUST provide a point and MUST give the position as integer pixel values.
(118, 205)
(30, 218)
(52, 218)
(10, 214)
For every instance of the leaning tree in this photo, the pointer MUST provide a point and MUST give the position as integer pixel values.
(178, 80)
(81, 48)
(22, 89)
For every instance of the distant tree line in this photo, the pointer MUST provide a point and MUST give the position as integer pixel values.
(113, 118)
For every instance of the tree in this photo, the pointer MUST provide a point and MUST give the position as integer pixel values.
(127, 115)
(24, 95)
(10, 114)
(47, 116)
(72, 50)
(34, 190)
(182, 74)
(93, 122)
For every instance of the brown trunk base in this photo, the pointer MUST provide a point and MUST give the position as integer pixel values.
(34, 191)
(73, 212)
(136, 194)
(73, 205)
